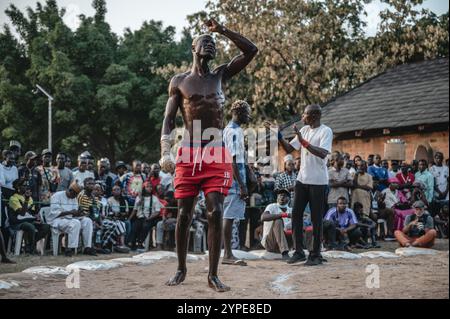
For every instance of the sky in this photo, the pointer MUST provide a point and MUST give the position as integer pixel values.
(132, 13)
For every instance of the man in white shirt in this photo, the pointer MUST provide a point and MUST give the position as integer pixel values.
(64, 215)
(277, 225)
(314, 141)
(389, 198)
(440, 174)
(82, 173)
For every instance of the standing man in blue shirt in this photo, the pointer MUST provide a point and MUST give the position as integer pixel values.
(379, 173)
(234, 203)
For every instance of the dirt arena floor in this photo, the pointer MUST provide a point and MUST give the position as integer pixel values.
(406, 277)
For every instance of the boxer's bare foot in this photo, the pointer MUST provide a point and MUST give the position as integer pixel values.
(179, 277)
(215, 283)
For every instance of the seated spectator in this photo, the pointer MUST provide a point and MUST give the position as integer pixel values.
(367, 226)
(363, 184)
(91, 209)
(427, 179)
(167, 224)
(23, 216)
(405, 179)
(66, 217)
(340, 227)
(119, 211)
(340, 180)
(109, 230)
(419, 229)
(145, 215)
(379, 174)
(441, 222)
(277, 225)
(390, 201)
(404, 207)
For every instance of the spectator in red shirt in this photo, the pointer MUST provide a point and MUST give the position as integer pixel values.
(405, 180)
(154, 178)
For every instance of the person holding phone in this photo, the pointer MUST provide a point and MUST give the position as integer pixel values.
(418, 230)
(23, 216)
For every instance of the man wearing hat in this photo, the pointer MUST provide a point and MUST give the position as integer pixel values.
(82, 173)
(31, 174)
(418, 230)
(277, 226)
(16, 148)
(121, 169)
(67, 218)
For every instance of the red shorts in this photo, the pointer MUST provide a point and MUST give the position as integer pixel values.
(206, 168)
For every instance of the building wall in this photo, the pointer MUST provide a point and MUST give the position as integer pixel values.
(428, 142)
(417, 145)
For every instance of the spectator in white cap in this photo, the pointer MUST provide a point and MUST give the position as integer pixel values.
(16, 148)
(82, 173)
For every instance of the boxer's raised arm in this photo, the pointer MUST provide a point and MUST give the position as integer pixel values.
(248, 49)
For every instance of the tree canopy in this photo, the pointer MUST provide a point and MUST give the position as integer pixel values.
(110, 91)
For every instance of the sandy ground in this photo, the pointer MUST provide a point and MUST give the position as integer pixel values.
(406, 277)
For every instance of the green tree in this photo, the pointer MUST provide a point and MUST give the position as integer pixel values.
(108, 93)
(311, 51)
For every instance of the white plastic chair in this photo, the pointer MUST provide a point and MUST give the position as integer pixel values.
(54, 231)
(381, 222)
(192, 231)
(17, 237)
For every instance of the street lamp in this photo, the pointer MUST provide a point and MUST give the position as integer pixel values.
(50, 99)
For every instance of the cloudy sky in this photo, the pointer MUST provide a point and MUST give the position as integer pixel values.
(132, 13)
